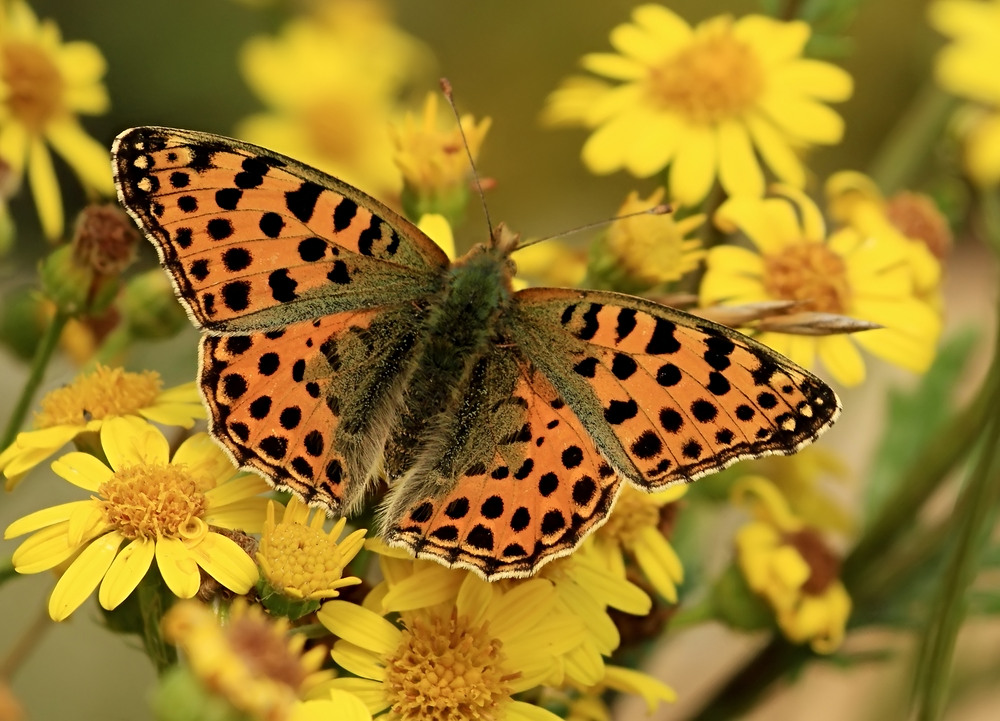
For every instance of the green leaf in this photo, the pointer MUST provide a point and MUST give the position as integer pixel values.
(915, 416)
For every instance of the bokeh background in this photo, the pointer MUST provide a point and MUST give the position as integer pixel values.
(176, 63)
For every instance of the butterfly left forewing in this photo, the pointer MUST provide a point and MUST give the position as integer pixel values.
(667, 396)
(253, 239)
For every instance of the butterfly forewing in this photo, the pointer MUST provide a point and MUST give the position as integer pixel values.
(668, 396)
(255, 240)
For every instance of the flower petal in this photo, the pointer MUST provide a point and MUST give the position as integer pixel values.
(739, 171)
(131, 441)
(360, 626)
(43, 518)
(45, 191)
(178, 567)
(695, 164)
(224, 560)
(83, 575)
(83, 470)
(841, 357)
(126, 572)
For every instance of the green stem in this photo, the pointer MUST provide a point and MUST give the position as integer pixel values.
(151, 594)
(976, 513)
(923, 476)
(27, 642)
(912, 140)
(43, 354)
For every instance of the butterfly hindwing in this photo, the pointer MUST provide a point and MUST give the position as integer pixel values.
(253, 239)
(515, 482)
(667, 396)
(298, 404)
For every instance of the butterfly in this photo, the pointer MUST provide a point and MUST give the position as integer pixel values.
(342, 347)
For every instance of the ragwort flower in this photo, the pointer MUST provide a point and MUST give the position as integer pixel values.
(44, 84)
(460, 659)
(300, 561)
(862, 275)
(788, 564)
(636, 529)
(966, 67)
(333, 83)
(705, 101)
(434, 162)
(84, 405)
(250, 660)
(156, 505)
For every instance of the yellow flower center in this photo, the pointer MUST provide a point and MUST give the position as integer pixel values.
(632, 513)
(447, 670)
(263, 648)
(34, 82)
(302, 561)
(715, 78)
(810, 273)
(824, 566)
(152, 501)
(102, 394)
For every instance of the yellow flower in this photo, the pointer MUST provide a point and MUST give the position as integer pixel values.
(251, 660)
(586, 588)
(551, 263)
(434, 163)
(787, 563)
(462, 659)
(44, 84)
(635, 528)
(590, 706)
(85, 404)
(333, 83)
(909, 219)
(847, 273)
(299, 560)
(965, 68)
(654, 249)
(704, 101)
(798, 477)
(156, 505)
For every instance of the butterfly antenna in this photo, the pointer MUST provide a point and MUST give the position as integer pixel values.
(446, 89)
(661, 209)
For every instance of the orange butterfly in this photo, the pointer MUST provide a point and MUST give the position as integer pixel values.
(342, 347)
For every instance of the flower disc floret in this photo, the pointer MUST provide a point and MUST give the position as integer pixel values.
(153, 501)
(448, 669)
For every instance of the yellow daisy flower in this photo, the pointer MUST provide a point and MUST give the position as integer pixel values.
(84, 405)
(787, 563)
(44, 84)
(636, 529)
(465, 659)
(586, 588)
(800, 478)
(156, 505)
(705, 101)
(653, 249)
(965, 68)
(250, 660)
(333, 83)
(301, 562)
(433, 162)
(909, 219)
(591, 706)
(846, 273)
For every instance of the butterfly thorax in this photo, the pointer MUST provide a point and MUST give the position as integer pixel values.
(461, 325)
